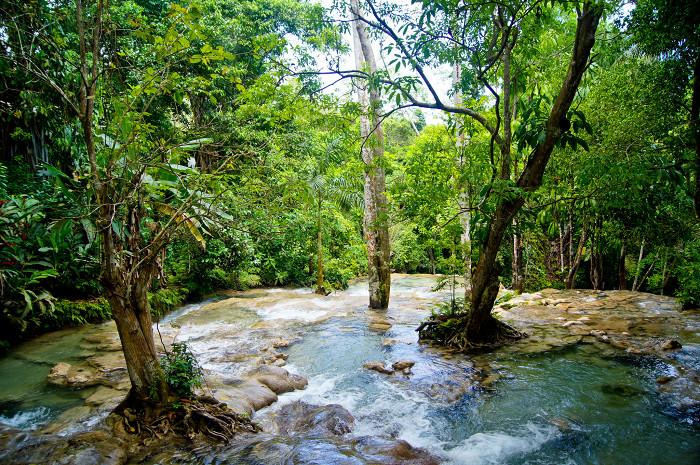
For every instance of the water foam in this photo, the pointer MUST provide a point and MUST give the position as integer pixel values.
(497, 447)
(28, 419)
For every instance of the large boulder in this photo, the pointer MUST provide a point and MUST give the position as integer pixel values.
(302, 419)
(277, 379)
(389, 451)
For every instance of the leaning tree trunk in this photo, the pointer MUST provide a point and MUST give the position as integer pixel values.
(376, 208)
(479, 326)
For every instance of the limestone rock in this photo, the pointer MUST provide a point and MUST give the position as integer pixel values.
(671, 345)
(403, 365)
(380, 324)
(248, 394)
(302, 419)
(104, 395)
(378, 367)
(389, 451)
(681, 395)
(278, 379)
(59, 374)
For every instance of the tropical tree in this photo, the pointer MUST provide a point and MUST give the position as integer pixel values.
(499, 43)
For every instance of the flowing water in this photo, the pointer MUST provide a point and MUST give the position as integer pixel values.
(573, 405)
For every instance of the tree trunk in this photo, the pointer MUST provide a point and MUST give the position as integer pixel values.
(596, 274)
(479, 326)
(694, 125)
(319, 274)
(463, 197)
(621, 276)
(518, 275)
(376, 206)
(576, 262)
(639, 265)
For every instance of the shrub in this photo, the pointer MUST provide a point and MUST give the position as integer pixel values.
(182, 371)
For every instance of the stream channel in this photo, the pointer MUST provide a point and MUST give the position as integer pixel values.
(562, 399)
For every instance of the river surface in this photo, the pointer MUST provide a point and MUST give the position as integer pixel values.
(577, 404)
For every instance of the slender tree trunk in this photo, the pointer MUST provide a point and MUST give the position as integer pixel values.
(596, 274)
(694, 125)
(575, 263)
(639, 265)
(518, 276)
(562, 261)
(463, 198)
(319, 274)
(431, 257)
(479, 326)
(621, 275)
(376, 206)
(667, 274)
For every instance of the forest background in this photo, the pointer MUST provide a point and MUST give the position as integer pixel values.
(231, 166)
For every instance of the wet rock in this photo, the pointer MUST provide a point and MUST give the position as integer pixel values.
(403, 365)
(104, 395)
(572, 323)
(247, 395)
(278, 379)
(389, 342)
(393, 452)
(620, 390)
(92, 448)
(598, 333)
(671, 345)
(378, 367)
(380, 324)
(59, 374)
(318, 452)
(302, 419)
(681, 396)
(282, 343)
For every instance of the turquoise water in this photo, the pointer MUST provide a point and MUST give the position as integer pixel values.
(570, 406)
(567, 407)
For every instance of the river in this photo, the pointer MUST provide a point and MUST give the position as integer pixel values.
(571, 401)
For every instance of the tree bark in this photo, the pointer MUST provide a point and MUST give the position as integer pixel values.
(621, 276)
(694, 125)
(376, 217)
(639, 264)
(480, 326)
(596, 274)
(576, 261)
(463, 198)
(319, 273)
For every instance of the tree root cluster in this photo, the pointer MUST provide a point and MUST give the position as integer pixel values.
(201, 416)
(453, 332)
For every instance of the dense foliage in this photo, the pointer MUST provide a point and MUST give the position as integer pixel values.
(236, 142)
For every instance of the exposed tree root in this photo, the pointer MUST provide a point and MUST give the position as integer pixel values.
(453, 332)
(202, 416)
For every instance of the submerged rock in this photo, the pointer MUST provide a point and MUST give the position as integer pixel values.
(680, 396)
(393, 452)
(91, 448)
